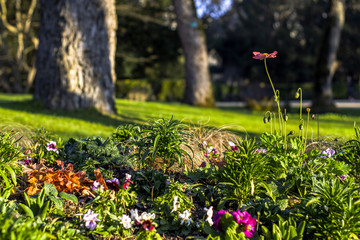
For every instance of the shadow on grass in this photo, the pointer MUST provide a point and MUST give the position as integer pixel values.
(90, 115)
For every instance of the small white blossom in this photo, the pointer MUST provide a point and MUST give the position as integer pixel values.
(147, 216)
(135, 215)
(209, 213)
(231, 144)
(209, 150)
(127, 177)
(125, 220)
(176, 204)
(185, 217)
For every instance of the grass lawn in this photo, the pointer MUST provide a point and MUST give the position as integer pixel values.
(21, 112)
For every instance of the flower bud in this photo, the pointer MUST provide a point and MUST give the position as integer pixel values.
(297, 95)
(286, 117)
(308, 110)
(301, 126)
(265, 120)
(292, 132)
(313, 116)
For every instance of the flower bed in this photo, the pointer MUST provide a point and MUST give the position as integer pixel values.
(131, 186)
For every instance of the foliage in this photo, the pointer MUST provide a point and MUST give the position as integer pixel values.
(284, 230)
(350, 154)
(243, 173)
(161, 145)
(333, 210)
(10, 154)
(150, 184)
(91, 153)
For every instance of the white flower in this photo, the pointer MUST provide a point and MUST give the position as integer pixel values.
(135, 216)
(209, 213)
(210, 149)
(231, 144)
(176, 204)
(127, 176)
(125, 220)
(326, 208)
(185, 217)
(147, 216)
(205, 143)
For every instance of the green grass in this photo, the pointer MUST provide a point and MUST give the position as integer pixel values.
(21, 112)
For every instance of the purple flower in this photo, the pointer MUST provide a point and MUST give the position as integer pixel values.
(113, 181)
(343, 177)
(214, 151)
(113, 184)
(328, 153)
(261, 150)
(90, 219)
(27, 160)
(96, 185)
(217, 218)
(51, 146)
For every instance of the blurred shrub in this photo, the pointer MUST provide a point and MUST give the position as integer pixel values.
(133, 89)
(172, 90)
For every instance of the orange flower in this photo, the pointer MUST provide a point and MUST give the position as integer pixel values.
(262, 56)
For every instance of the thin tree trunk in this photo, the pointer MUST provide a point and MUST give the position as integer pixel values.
(326, 63)
(198, 90)
(75, 60)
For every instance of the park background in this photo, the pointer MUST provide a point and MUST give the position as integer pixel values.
(317, 43)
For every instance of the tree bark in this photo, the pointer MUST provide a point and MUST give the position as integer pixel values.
(198, 89)
(76, 55)
(326, 62)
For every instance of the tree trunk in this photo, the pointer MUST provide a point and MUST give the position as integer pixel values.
(326, 63)
(75, 60)
(198, 90)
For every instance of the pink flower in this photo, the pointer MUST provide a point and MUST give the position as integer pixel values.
(233, 146)
(262, 56)
(250, 227)
(90, 219)
(241, 217)
(127, 181)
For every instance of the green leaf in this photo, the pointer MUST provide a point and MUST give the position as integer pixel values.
(58, 202)
(50, 189)
(70, 197)
(27, 210)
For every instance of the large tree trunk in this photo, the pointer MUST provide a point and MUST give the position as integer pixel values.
(198, 90)
(75, 60)
(326, 63)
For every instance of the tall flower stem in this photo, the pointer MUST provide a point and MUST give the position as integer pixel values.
(276, 96)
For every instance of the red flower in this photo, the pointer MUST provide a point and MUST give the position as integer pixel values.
(262, 56)
(147, 225)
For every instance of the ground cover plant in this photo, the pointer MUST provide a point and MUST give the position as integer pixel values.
(164, 179)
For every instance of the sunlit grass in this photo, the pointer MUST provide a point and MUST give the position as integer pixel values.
(20, 111)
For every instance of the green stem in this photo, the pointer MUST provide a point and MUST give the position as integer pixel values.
(277, 98)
